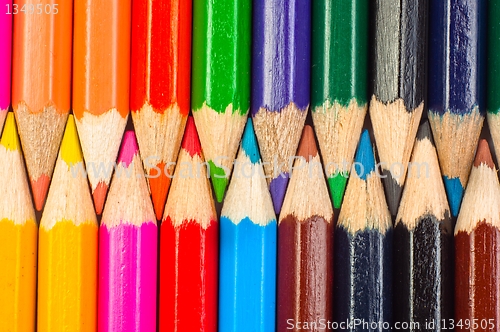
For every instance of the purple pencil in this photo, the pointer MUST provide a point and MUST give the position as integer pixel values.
(280, 85)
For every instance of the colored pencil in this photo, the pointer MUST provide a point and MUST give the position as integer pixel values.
(247, 282)
(305, 243)
(280, 85)
(339, 95)
(221, 81)
(477, 248)
(160, 87)
(456, 88)
(67, 255)
(423, 242)
(128, 249)
(493, 74)
(363, 245)
(18, 237)
(101, 76)
(399, 87)
(189, 245)
(5, 59)
(41, 81)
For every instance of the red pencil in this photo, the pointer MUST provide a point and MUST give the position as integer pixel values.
(189, 245)
(160, 86)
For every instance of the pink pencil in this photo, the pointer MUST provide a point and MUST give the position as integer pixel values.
(127, 249)
(5, 57)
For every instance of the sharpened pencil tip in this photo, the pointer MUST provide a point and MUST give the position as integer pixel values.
(249, 143)
(455, 193)
(191, 141)
(307, 146)
(364, 160)
(71, 152)
(10, 139)
(277, 187)
(483, 155)
(99, 196)
(40, 188)
(337, 184)
(129, 148)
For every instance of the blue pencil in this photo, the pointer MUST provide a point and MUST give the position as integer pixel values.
(456, 88)
(280, 85)
(363, 246)
(247, 282)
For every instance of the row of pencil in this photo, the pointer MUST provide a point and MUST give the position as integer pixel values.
(219, 60)
(295, 273)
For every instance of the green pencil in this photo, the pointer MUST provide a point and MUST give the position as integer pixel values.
(221, 81)
(339, 84)
(493, 92)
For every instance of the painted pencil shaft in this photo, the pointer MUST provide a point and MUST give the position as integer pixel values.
(339, 84)
(101, 77)
(160, 87)
(247, 282)
(400, 85)
(477, 248)
(221, 81)
(5, 59)
(67, 256)
(305, 244)
(280, 85)
(189, 245)
(42, 59)
(18, 237)
(456, 88)
(423, 243)
(363, 246)
(493, 84)
(128, 249)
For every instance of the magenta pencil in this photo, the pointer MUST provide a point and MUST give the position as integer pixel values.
(5, 57)
(127, 249)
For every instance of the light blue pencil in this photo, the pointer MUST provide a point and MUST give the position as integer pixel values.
(247, 276)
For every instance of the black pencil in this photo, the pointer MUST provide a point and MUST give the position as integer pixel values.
(399, 87)
(423, 243)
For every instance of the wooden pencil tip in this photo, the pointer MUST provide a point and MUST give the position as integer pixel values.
(249, 143)
(307, 145)
(40, 188)
(99, 196)
(424, 132)
(483, 155)
(10, 140)
(129, 148)
(365, 160)
(191, 142)
(159, 188)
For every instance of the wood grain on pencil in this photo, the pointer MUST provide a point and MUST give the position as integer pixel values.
(18, 237)
(423, 241)
(477, 247)
(280, 85)
(5, 60)
(339, 84)
(128, 238)
(221, 81)
(305, 243)
(457, 60)
(160, 87)
(399, 87)
(41, 87)
(101, 77)
(67, 256)
(189, 245)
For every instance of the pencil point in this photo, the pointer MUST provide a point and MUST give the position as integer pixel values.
(393, 192)
(219, 181)
(455, 192)
(10, 139)
(307, 146)
(249, 143)
(40, 188)
(129, 148)
(364, 160)
(159, 186)
(337, 184)
(99, 196)
(483, 155)
(425, 132)
(277, 188)
(71, 152)
(191, 141)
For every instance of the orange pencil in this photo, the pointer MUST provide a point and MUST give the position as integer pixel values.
(18, 237)
(41, 80)
(101, 76)
(160, 87)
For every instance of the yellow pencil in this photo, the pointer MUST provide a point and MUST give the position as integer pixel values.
(67, 258)
(18, 237)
